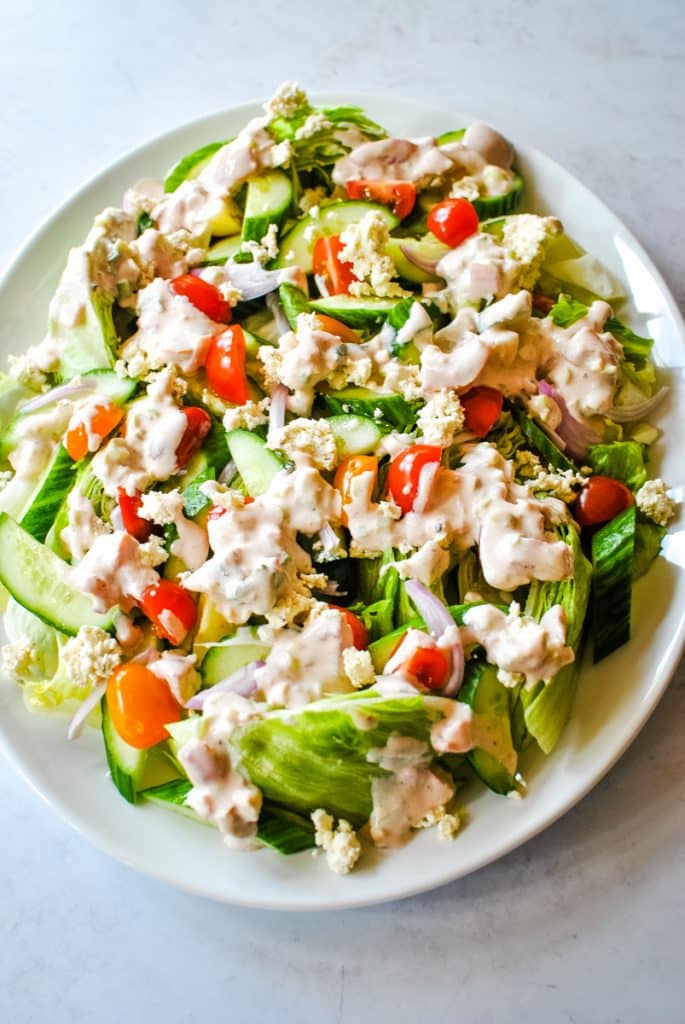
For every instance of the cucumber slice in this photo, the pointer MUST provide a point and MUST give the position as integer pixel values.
(453, 136)
(191, 165)
(57, 481)
(426, 248)
(355, 435)
(34, 576)
(354, 312)
(126, 764)
(500, 206)
(256, 464)
(227, 657)
(394, 409)
(489, 700)
(222, 251)
(269, 196)
(109, 384)
(294, 302)
(297, 246)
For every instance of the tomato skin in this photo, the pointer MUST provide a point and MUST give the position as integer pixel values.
(107, 417)
(336, 273)
(349, 468)
(482, 407)
(199, 425)
(405, 472)
(453, 221)
(129, 506)
(204, 296)
(332, 326)
(170, 597)
(139, 704)
(360, 634)
(429, 665)
(225, 365)
(400, 196)
(600, 500)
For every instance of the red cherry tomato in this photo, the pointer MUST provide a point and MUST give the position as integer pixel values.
(600, 500)
(225, 365)
(204, 296)
(405, 472)
(170, 609)
(129, 506)
(452, 221)
(482, 407)
(140, 704)
(336, 273)
(360, 635)
(429, 665)
(400, 196)
(199, 425)
(349, 468)
(106, 417)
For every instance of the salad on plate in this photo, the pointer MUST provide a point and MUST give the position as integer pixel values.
(330, 466)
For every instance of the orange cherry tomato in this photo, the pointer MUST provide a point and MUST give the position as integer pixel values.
(405, 473)
(129, 506)
(140, 704)
(351, 467)
(170, 609)
(333, 326)
(337, 274)
(400, 196)
(198, 426)
(600, 500)
(204, 296)
(429, 666)
(452, 221)
(225, 365)
(482, 407)
(360, 634)
(105, 419)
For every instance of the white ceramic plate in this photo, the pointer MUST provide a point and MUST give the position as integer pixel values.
(614, 700)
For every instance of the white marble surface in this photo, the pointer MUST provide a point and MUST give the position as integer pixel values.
(584, 924)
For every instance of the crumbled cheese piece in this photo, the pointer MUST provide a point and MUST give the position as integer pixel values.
(497, 180)
(403, 379)
(26, 372)
(313, 438)
(441, 418)
(161, 507)
(311, 198)
(153, 551)
(447, 824)
(223, 496)
(175, 385)
(358, 667)
(524, 237)
(266, 248)
(314, 123)
(20, 659)
(5, 477)
(364, 247)
(247, 416)
(546, 410)
(653, 500)
(563, 484)
(465, 188)
(296, 603)
(287, 100)
(341, 845)
(91, 656)
(135, 365)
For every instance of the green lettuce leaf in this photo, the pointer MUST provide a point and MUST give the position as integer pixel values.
(623, 461)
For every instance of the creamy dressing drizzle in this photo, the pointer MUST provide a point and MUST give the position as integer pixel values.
(84, 525)
(113, 572)
(166, 509)
(171, 330)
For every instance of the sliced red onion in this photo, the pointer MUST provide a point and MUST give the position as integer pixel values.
(320, 283)
(227, 473)
(277, 407)
(456, 676)
(434, 613)
(274, 304)
(56, 394)
(242, 682)
(83, 710)
(419, 261)
(629, 413)
(252, 280)
(577, 436)
(328, 538)
(426, 481)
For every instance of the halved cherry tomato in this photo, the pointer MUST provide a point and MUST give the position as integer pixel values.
(405, 473)
(349, 468)
(225, 365)
(204, 296)
(129, 506)
(337, 274)
(199, 425)
(140, 704)
(333, 326)
(600, 500)
(360, 634)
(542, 303)
(170, 609)
(106, 417)
(400, 196)
(429, 665)
(482, 407)
(452, 221)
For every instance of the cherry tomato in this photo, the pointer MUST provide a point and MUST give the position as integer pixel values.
(429, 665)
(129, 506)
(349, 468)
(542, 303)
(360, 635)
(103, 422)
(400, 196)
(199, 425)
(204, 296)
(140, 704)
(170, 609)
(225, 365)
(331, 326)
(336, 273)
(452, 221)
(600, 500)
(405, 473)
(482, 407)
